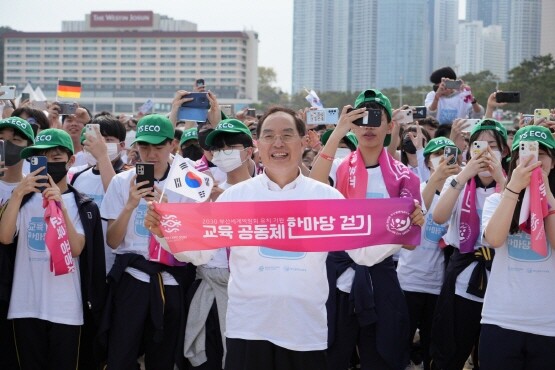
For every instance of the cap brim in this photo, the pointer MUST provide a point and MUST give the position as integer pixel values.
(8, 125)
(29, 151)
(150, 139)
(211, 136)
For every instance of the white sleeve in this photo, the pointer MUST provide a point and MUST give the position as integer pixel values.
(370, 256)
(429, 100)
(113, 201)
(490, 206)
(423, 170)
(197, 258)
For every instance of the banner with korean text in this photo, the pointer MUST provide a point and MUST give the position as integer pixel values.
(299, 226)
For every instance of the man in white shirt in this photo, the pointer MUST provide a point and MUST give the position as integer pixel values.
(276, 316)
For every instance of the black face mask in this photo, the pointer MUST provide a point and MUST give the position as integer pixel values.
(57, 170)
(12, 153)
(193, 152)
(408, 147)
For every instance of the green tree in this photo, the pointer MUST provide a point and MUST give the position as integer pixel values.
(268, 94)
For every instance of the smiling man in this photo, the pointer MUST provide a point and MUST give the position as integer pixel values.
(276, 318)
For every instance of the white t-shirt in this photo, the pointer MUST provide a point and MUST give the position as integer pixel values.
(452, 236)
(6, 189)
(450, 107)
(90, 183)
(421, 270)
(521, 286)
(137, 236)
(275, 295)
(36, 292)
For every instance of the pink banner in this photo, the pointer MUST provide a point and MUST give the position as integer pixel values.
(57, 240)
(299, 226)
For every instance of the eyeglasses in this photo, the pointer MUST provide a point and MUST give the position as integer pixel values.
(271, 138)
(227, 151)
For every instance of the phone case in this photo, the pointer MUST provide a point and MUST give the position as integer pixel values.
(478, 147)
(9, 92)
(36, 163)
(145, 172)
(89, 128)
(472, 123)
(541, 113)
(200, 101)
(527, 149)
(328, 116)
(448, 151)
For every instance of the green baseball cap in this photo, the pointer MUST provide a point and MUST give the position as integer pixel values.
(154, 129)
(20, 125)
(436, 144)
(230, 125)
(189, 134)
(490, 124)
(376, 96)
(534, 133)
(49, 138)
(350, 137)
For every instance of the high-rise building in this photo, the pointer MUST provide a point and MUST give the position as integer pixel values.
(547, 43)
(494, 51)
(119, 70)
(524, 35)
(353, 45)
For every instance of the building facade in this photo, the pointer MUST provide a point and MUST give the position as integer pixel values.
(125, 58)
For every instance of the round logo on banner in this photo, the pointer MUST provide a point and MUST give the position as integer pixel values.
(398, 223)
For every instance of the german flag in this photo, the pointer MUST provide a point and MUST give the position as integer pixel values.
(69, 89)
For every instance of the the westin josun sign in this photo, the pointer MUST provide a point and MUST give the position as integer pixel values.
(122, 19)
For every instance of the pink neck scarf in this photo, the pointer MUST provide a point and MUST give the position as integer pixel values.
(352, 177)
(56, 239)
(469, 225)
(534, 209)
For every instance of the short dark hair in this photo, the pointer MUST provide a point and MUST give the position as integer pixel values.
(177, 134)
(229, 139)
(110, 126)
(299, 124)
(38, 115)
(429, 121)
(444, 130)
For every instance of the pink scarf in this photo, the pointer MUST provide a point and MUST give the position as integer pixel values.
(158, 254)
(534, 209)
(352, 177)
(56, 239)
(469, 225)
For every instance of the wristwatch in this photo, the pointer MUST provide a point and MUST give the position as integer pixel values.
(455, 184)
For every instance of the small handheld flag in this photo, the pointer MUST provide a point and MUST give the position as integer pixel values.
(69, 89)
(183, 179)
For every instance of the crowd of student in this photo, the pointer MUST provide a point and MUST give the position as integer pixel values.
(480, 284)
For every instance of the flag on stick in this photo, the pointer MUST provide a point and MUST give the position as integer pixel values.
(183, 179)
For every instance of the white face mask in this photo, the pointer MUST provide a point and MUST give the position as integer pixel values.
(227, 162)
(497, 155)
(342, 152)
(112, 149)
(434, 161)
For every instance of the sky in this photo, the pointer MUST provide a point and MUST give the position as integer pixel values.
(272, 19)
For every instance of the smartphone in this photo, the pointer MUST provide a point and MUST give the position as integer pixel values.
(9, 92)
(36, 163)
(40, 105)
(471, 123)
(227, 109)
(451, 84)
(25, 96)
(527, 149)
(251, 112)
(419, 112)
(67, 108)
(478, 147)
(200, 101)
(145, 172)
(507, 97)
(451, 150)
(527, 118)
(199, 82)
(405, 116)
(90, 129)
(2, 156)
(327, 116)
(373, 119)
(541, 113)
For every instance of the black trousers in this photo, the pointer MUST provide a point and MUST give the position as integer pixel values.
(421, 308)
(260, 354)
(504, 349)
(8, 359)
(43, 345)
(131, 327)
(350, 335)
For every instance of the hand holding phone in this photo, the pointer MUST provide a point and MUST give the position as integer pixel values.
(469, 123)
(450, 151)
(541, 113)
(478, 147)
(451, 84)
(145, 172)
(507, 97)
(91, 129)
(528, 149)
(372, 119)
(8, 92)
